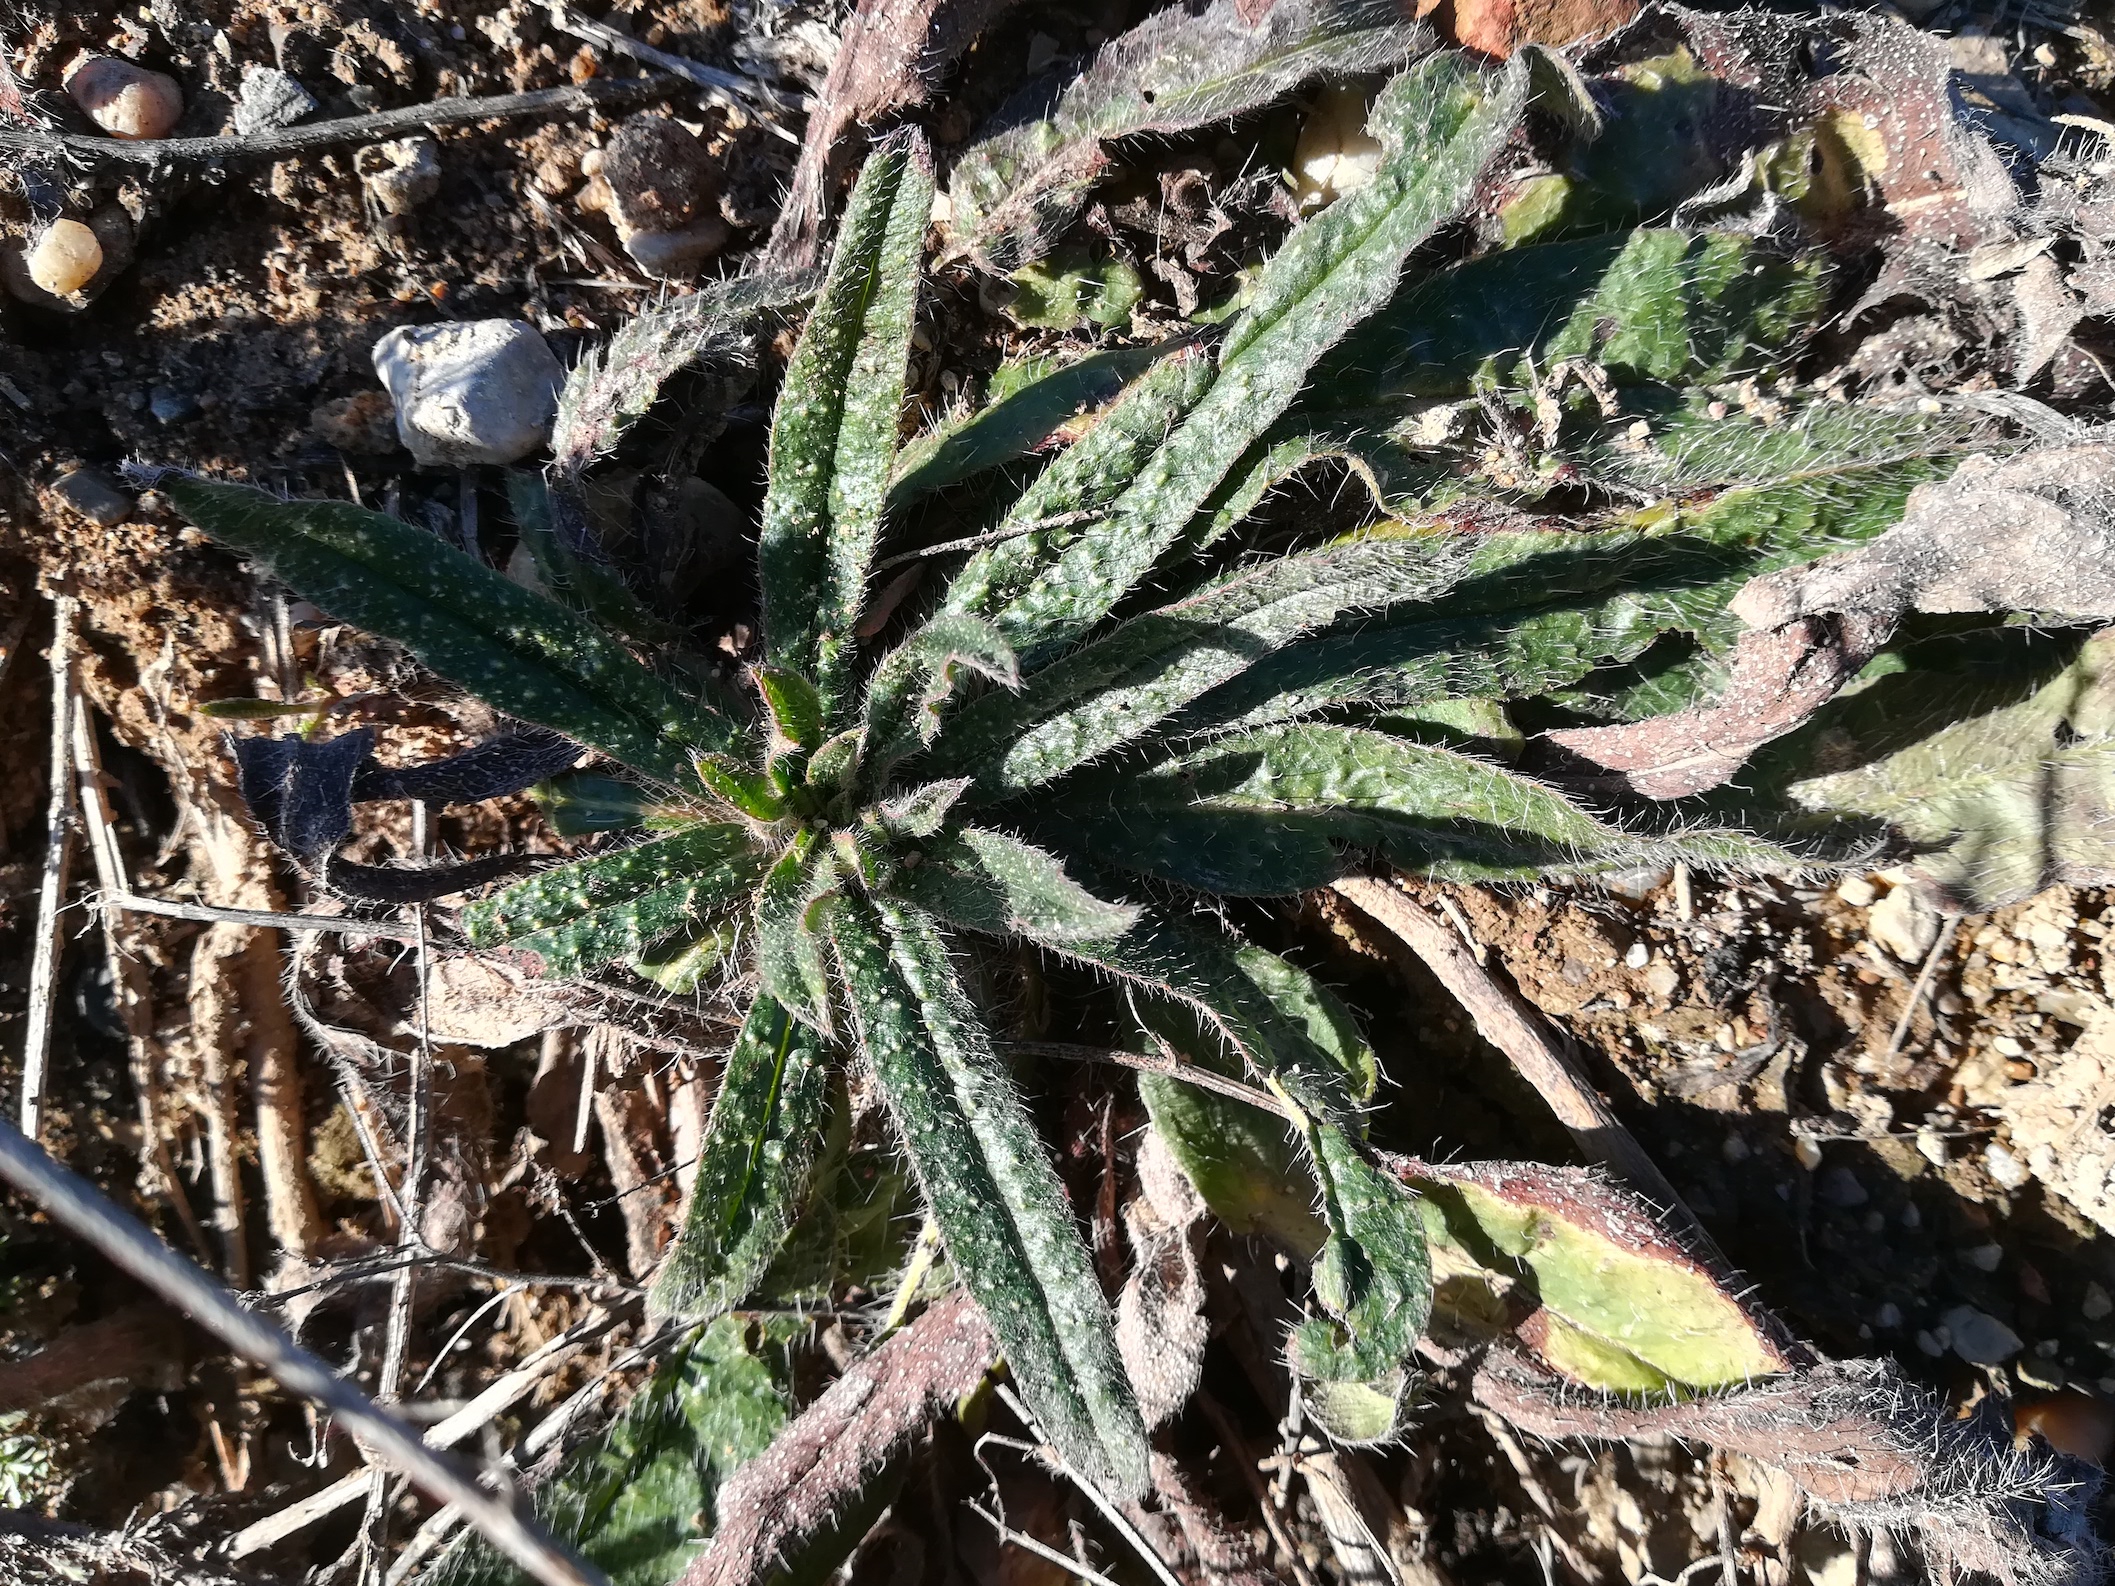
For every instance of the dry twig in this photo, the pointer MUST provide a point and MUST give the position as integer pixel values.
(278, 143)
(1504, 1018)
(58, 855)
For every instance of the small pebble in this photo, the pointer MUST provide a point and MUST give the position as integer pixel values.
(2097, 1305)
(479, 391)
(1904, 924)
(2008, 1046)
(171, 407)
(270, 99)
(1735, 1149)
(2010, 1172)
(1662, 980)
(1931, 1145)
(1930, 1343)
(1638, 956)
(1888, 1317)
(1984, 1258)
(1980, 1338)
(65, 258)
(661, 191)
(125, 100)
(1911, 1217)
(1808, 1152)
(93, 496)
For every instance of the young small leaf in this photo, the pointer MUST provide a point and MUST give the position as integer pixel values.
(789, 954)
(754, 1168)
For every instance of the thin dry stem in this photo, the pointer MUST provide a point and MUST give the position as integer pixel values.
(51, 888)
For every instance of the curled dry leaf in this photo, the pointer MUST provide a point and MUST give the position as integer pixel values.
(1160, 1324)
(821, 1465)
(2031, 533)
(1870, 1447)
(890, 54)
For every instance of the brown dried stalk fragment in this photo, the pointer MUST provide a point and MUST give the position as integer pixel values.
(1866, 1444)
(843, 1441)
(890, 53)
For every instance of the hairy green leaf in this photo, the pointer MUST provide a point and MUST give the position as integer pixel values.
(833, 439)
(754, 1169)
(789, 948)
(2004, 787)
(987, 881)
(991, 1188)
(579, 916)
(527, 656)
(1536, 610)
(1442, 121)
(1304, 793)
(912, 685)
(1017, 421)
(1121, 686)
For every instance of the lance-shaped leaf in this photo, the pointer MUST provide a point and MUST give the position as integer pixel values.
(1307, 790)
(514, 650)
(1372, 1275)
(1442, 121)
(1018, 420)
(609, 390)
(579, 916)
(755, 1167)
(993, 1193)
(1536, 610)
(1666, 305)
(789, 948)
(1013, 194)
(1076, 489)
(833, 438)
(1373, 1278)
(990, 882)
(1121, 686)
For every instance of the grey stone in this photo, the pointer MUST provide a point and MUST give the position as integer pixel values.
(1980, 1338)
(94, 497)
(484, 391)
(270, 99)
(1839, 1187)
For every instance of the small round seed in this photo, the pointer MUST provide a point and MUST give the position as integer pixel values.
(65, 258)
(125, 100)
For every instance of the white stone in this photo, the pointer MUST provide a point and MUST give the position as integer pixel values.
(2097, 1304)
(2010, 1172)
(1858, 892)
(484, 391)
(1904, 924)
